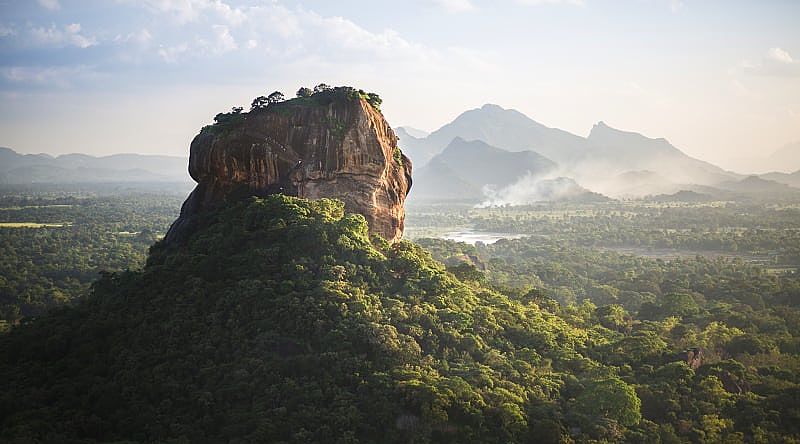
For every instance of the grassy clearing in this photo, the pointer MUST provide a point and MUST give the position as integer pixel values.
(32, 225)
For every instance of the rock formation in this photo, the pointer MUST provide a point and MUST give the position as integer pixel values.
(333, 144)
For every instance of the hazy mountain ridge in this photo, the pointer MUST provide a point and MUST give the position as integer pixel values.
(16, 168)
(465, 168)
(413, 132)
(507, 129)
(791, 179)
(610, 161)
(683, 196)
(756, 184)
(591, 161)
(633, 151)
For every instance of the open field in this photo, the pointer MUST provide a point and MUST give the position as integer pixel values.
(33, 225)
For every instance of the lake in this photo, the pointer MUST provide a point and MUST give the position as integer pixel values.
(472, 236)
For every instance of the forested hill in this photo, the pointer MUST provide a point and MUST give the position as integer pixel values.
(281, 320)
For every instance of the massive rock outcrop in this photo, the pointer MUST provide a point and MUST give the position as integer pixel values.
(334, 144)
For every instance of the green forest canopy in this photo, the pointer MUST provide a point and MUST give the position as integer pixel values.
(282, 321)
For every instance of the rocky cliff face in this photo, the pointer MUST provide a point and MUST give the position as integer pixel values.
(334, 144)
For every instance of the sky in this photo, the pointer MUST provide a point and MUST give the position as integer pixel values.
(720, 79)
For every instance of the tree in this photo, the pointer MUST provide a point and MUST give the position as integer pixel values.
(610, 398)
(749, 344)
(304, 92)
(603, 294)
(679, 304)
(259, 102)
(321, 87)
(672, 304)
(374, 100)
(612, 316)
(467, 272)
(275, 97)
(237, 110)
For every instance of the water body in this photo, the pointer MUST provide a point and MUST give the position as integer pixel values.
(472, 236)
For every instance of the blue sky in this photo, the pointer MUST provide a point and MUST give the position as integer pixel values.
(719, 79)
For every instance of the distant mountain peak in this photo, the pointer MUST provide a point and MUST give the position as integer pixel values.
(464, 168)
(492, 107)
(411, 132)
(606, 151)
(602, 128)
(601, 132)
(459, 145)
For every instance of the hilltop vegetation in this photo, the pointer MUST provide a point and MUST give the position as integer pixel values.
(321, 95)
(281, 320)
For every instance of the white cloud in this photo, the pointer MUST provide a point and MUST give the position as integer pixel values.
(301, 32)
(300, 38)
(272, 27)
(775, 62)
(224, 40)
(69, 35)
(676, 5)
(7, 31)
(52, 5)
(185, 11)
(275, 18)
(171, 54)
(348, 35)
(780, 55)
(231, 15)
(221, 43)
(455, 5)
(60, 76)
(142, 37)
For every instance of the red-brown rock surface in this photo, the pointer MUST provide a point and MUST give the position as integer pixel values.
(333, 145)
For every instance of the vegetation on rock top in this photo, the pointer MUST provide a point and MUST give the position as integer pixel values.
(321, 95)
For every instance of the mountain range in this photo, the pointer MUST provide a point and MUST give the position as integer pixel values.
(609, 161)
(785, 160)
(464, 168)
(18, 168)
(791, 179)
(482, 155)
